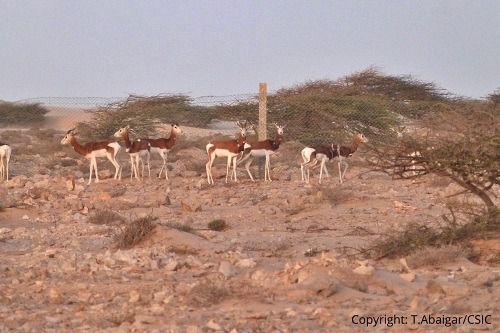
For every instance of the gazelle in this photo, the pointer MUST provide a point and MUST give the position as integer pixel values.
(264, 148)
(92, 150)
(163, 145)
(5, 152)
(311, 156)
(229, 148)
(136, 150)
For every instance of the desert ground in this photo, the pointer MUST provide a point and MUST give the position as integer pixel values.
(287, 259)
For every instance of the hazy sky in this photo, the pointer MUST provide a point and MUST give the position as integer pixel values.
(112, 48)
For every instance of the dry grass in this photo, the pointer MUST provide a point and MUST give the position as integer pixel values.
(436, 256)
(337, 195)
(118, 192)
(134, 232)
(180, 226)
(217, 225)
(105, 216)
(208, 293)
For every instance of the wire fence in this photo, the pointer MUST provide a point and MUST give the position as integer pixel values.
(310, 118)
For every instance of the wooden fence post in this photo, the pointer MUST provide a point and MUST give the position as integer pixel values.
(262, 131)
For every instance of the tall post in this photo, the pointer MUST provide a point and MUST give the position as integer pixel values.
(262, 122)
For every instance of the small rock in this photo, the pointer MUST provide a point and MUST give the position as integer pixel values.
(246, 263)
(404, 265)
(70, 183)
(434, 287)
(410, 277)
(54, 296)
(213, 325)
(364, 270)
(227, 269)
(105, 174)
(25, 217)
(171, 265)
(4, 231)
(193, 329)
(134, 297)
(104, 196)
(190, 206)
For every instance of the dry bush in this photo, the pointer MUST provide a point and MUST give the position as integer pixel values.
(337, 195)
(16, 138)
(117, 192)
(207, 293)
(105, 216)
(16, 113)
(418, 236)
(462, 144)
(436, 256)
(217, 225)
(118, 318)
(134, 232)
(180, 226)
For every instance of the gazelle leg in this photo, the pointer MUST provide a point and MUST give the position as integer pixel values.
(211, 159)
(90, 172)
(115, 164)
(345, 169)
(229, 160)
(1, 168)
(149, 166)
(132, 167)
(247, 167)
(234, 168)
(268, 167)
(7, 158)
(166, 169)
(142, 165)
(326, 170)
(95, 170)
(340, 171)
(321, 170)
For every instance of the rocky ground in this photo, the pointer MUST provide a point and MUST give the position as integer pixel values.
(285, 261)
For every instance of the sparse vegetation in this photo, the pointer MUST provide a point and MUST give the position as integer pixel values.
(16, 113)
(180, 226)
(436, 256)
(106, 217)
(217, 225)
(418, 236)
(207, 293)
(134, 232)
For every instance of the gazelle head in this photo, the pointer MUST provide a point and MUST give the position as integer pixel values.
(121, 132)
(176, 128)
(243, 127)
(70, 135)
(242, 138)
(279, 129)
(360, 137)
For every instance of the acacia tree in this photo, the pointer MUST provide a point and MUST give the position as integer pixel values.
(462, 144)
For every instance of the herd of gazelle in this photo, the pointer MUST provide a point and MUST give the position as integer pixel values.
(237, 151)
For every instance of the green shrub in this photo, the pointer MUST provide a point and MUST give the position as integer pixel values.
(217, 225)
(17, 113)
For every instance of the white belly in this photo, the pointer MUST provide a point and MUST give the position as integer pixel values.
(223, 153)
(261, 152)
(322, 157)
(97, 153)
(158, 150)
(306, 153)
